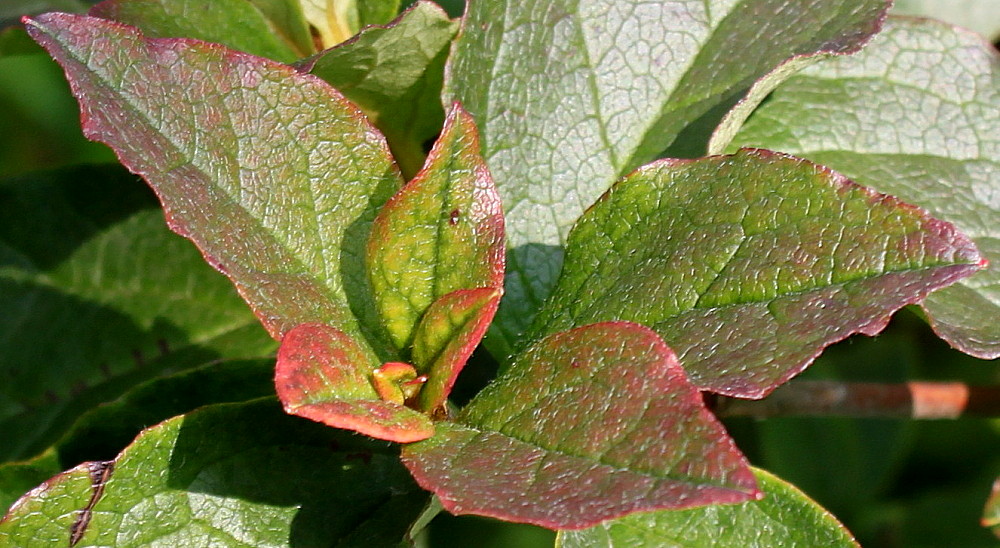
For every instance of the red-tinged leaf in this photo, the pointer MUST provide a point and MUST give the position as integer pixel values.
(448, 333)
(324, 375)
(749, 265)
(271, 172)
(991, 513)
(442, 232)
(589, 424)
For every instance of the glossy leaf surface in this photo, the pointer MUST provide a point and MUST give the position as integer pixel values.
(394, 74)
(324, 375)
(749, 265)
(914, 115)
(238, 24)
(226, 475)
(442, 232)
(97, 296)
(991, 513)
(272, 173)
(784, 517)
(590, 424)
(572, 94)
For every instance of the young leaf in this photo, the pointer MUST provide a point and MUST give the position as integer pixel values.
(97, 296)
(226, 475)
(784, 517)
(572, 94)
(445, 338)
(589, 424)
(271, 172)
(338, 20)
(442, 232)
(394, 74)
(913, 115)
(324, 375)
(239, 24)
(991, 513)
(749, 265)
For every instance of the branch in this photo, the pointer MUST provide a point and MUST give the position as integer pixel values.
(913, 400)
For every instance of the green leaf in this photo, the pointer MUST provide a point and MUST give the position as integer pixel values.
(606, 406)
(226, 475)
(104, 430)
(784, 517)
(914, 115)
(394, 74)
(13, 9)
(17, 478)
(749, 265)
(338, 20)
(239, 24)
(981, 16)
(442, 232)
(272, 173)
(324, 375)
(991, 513)
(96, 295)
(449, 332)
(572, 94)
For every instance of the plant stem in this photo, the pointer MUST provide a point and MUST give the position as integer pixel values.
(912, 400)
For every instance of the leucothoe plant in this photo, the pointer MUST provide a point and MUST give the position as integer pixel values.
(621, 220)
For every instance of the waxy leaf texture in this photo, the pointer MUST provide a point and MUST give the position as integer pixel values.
(273, 174)
(590, 424)
(570, 95)
(749, 265)
(913, 115)
(324, 375)
(394, 73)
(784, 517)
(227, 475)
(442, 232)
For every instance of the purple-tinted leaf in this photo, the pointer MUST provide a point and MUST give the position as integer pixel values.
(914, 115)
(271, 172)
(448, 333)
(442, 232)
(571, 95)
(749, 265)
(324, 375)
(589, 424)
(991, 513)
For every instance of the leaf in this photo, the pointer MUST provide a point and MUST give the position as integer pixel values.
(784, 517)
(914, 115)
(13, 9)
(978, 15)
(221, 162)
(96, 298)
(447, 335)
(324, 375)
(749, 265)
(227, 475)
(394, 74)
(606, 406)
(338, 20)
(991, 513)
(100, 432)
(238, 24)
(442, 232)
(572, 94)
